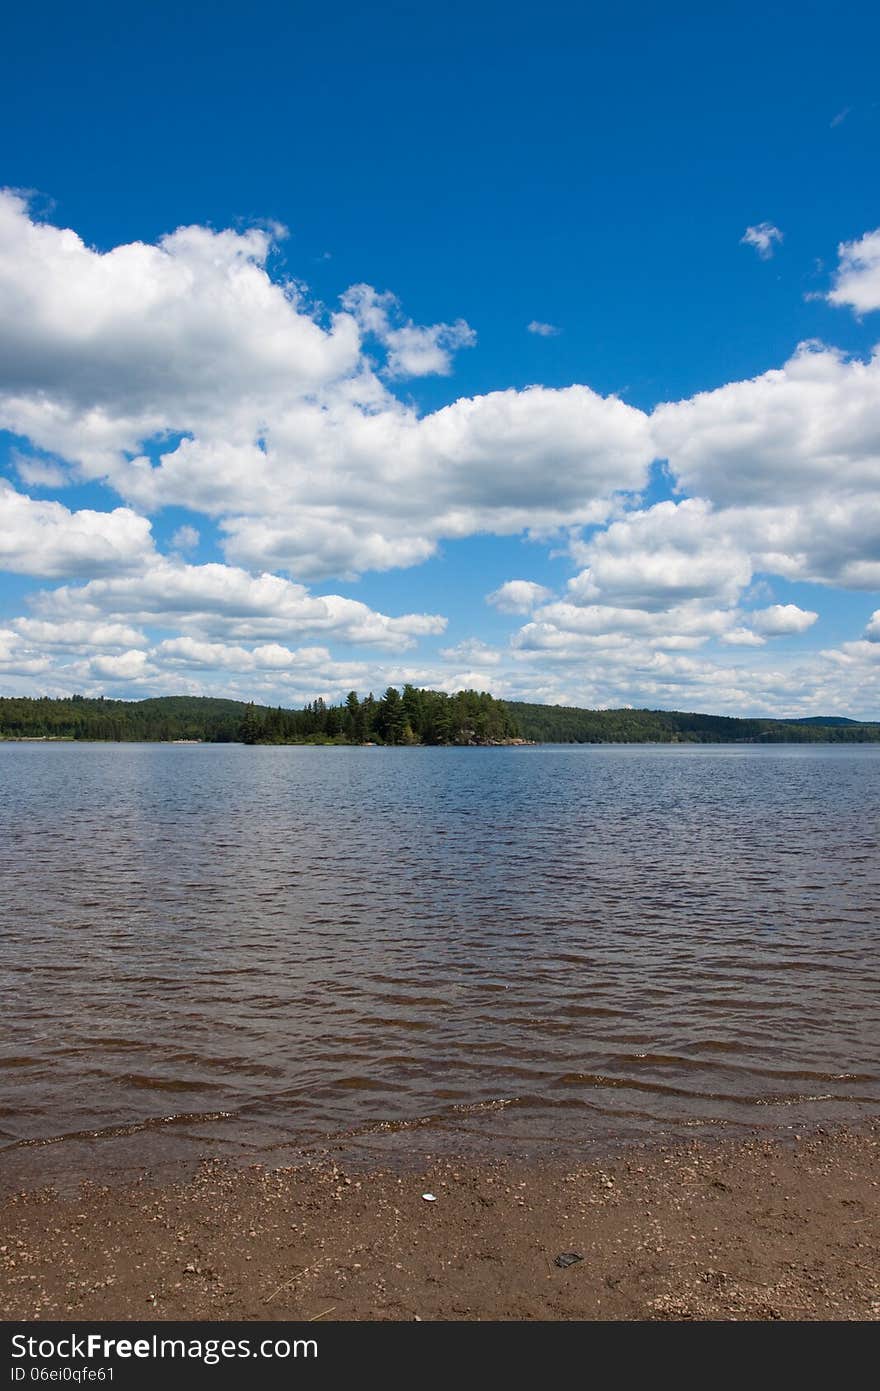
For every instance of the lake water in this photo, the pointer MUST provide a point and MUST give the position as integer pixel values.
(259, 953)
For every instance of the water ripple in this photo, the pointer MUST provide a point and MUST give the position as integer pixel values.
(512, 948)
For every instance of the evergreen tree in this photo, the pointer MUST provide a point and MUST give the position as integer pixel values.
(249, 730)
(369, 711)
(354, 719)
(391, 719)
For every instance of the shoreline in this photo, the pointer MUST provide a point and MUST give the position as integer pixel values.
(472, 744)
(733, 1229)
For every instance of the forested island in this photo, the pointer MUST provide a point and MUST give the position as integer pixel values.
(407, 717)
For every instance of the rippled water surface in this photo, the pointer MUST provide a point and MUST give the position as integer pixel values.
(258, 952)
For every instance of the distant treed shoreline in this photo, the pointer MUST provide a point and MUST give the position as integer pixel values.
(410, 717)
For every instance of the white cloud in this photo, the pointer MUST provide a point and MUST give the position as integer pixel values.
(742, 637)
(45, 538)
(16, 659)
(811, 427)
(78, 634)
(600, 673)
(185, 538)
(518, 596)
(763, 237)
(128, 667)
(782, 618)
(571, 654)
(336, 494)
(128, 342)
(543, 330)
(659, 584)
(274, 420)
(791, 461)
(186, 374)
(413, 351)
(472, 650)
(38, 473)
(857, 282)
(270, 656)
(572, 628)
(314, 543)
(666, 555)
(223, 600)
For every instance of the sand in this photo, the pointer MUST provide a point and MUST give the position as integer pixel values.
(740, 1230)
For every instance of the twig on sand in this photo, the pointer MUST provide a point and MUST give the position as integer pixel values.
(322, 1315)
(292, 1281)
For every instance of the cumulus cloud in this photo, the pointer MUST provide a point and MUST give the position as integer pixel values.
(224, 600)
(764, 237)
(742, 637)
(574, 628)
(38, 473)
(543, 330)
(779, 619)
(183, 373)
(791, 460)
(663, 556)
(189, 373)
(667, 579)
(808, 427)
(472, 651)
(47, 539)
(857, 282)
(185, 538)
(339, 490)
(413, 350)
(828, 539)
(78, 634)
(132, 666)
(128, 342)
(319, 542)
(271, 656)
(17, 659)
(518, 596)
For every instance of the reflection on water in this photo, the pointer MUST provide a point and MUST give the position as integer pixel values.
(248, 952)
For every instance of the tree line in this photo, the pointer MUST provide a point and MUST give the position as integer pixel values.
(398, 717)
(410, 716)
(562, 724)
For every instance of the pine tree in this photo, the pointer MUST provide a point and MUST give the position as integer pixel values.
(391, 719)
(412, 706)
(249, 730)
(354, 720)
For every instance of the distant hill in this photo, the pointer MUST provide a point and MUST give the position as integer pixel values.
(159, 718)
(411, 717)
(563, 724)
(831, 721)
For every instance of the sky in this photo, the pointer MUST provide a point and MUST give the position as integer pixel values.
(524, 347)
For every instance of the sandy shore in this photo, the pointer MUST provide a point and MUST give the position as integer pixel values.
(746, 1230)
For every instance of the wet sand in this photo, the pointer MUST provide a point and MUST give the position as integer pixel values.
(744, 1230)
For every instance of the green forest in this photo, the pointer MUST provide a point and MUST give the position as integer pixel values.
(562, 724)
(406, 717)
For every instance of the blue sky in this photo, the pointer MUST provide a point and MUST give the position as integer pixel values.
(689, 496)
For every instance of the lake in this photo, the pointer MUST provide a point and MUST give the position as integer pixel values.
(263, 953)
